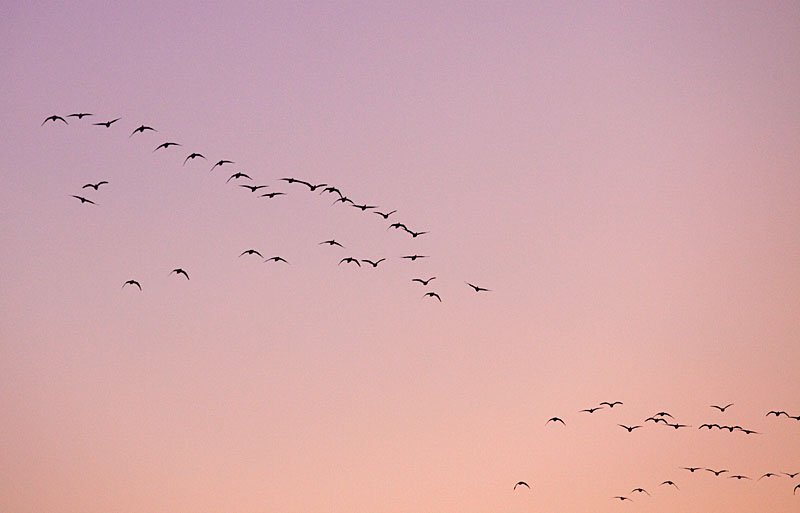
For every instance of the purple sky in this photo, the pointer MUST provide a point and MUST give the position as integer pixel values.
(623, 177)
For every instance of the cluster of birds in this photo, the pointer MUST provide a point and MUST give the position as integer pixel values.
(661, 417)
(259, 189)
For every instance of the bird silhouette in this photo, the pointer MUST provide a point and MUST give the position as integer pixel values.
(350, 260)
(179, 271)
(236, 176)
(343, 199)
(398, 226)
(331, 242)
(193, 156)
(79, 115)
(677, 426)
(253, 188)
(776, 413)
(95, 186)
(53, 118)
(386, 215)
(521, 483)
(251, 252)
(84, 200)
(738, 477)
(709, 426)
(670, 483)
(276, 259)
(414, 257)
(589, 410)
(311, 187)
(424, 282)
(768, 474)
(663, 414)
(166, 145)
(330, 190)
(790, 474)
(432, 294)
(717, 472)
(477, 288)
(271, 195)
(107, 124)
(373, 264)
(554, 419)
(640, 490)
(629, 428)
(221, 163)
(722, 408)
(611, 404)
(795, 489)
(132, 282)
(413, 233)
(141, 130)
(363, 207)
(621, 498)
(749, 431)
(656, 419)
(692, 469)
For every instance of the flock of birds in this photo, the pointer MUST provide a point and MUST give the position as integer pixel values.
(258, 189)
(663, 417)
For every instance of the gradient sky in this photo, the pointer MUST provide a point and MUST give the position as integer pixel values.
(623, 175)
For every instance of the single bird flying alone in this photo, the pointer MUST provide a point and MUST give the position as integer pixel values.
(179, 271)
(521, 483)
(554, 419)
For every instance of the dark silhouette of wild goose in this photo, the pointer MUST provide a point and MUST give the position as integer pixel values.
(350, 260)
(640, 490)
(271, 195)
(363, 207)
(730, 428)
(251, 252)
(677, 426)
(414, 257)
(276, 259)
(721, 408)
(413, 233)
(331, 189)
(166, 145)
(776, 413)
(432, 294)
(132, 282)
(311, 187)
(193, 156)
(343, 199)
(795, 489)
(386, 215)
(790, 474)
(709, 426)
(629, 428)
(236, 176)
(609, 404)
(621, 498)
(107, 124)
(179, 271)
(221, 163)
(79, 115)
(555, 419)
(588, 410)
(373, 264)
(717, 472)
(53, 118)
(94, 186)
(331, 242)
(670, 483)
(656, 419)
(521, 483)
(748, 431)
(141, 130)
(398, 226)
(253, 188)
(424, 282)
(691, 469)
(768, 474)
(477, 288)
(84, 200)
(738, 477)
(663, 414)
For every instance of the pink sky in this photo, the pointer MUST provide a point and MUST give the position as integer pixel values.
(623, 176)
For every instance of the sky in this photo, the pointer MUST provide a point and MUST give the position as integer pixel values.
(622, 176)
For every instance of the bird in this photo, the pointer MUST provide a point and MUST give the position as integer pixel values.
(663, 414)
(709, 426)
(53, 118)
(749, 431)
(414, 257)
(373, 264)
(477, 288)
(692, 469)
(795, 489)
(656, 419)
(132, 282)
(193, 156)
(790, 474)
(251, 252)
(776, 413)
(640, 490)
(141, 130)
(107, 124)
(166, 145)
(738, 477)
(350, 260)
(386, 215)
(236, 176)
(424, 282)
(432, 294)
(521, 483)
(95, 186)
(677, 426)
(629, 428)
(276, 259)
(330, 190)
(343, 199)
(307, 184)
(768, 474)
(221, 163)
(670, 483)
(79, 115)
(717, 472)
(271, 195)
(414, 234)
(591, 410)
(621, 498)
(364, 206)
(331, 242)
(721, 408)
(84, 200)
(555, 419)
(179, 271)
(398, 226)
(253, 188)
(610, 405)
